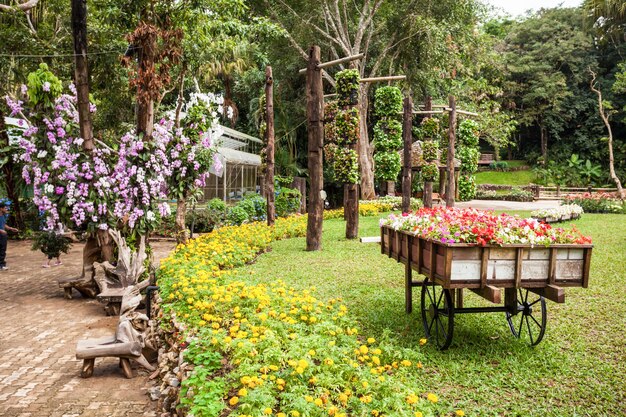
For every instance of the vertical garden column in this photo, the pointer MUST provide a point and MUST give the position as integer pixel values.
(346, 167)
(315, 133)
(387, 133)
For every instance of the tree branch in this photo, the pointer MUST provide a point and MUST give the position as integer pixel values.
(24, 7)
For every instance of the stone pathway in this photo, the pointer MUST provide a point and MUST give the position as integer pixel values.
(39, 374)
(509, 205)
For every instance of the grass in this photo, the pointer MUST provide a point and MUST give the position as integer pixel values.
(578, 369)
(520, 178)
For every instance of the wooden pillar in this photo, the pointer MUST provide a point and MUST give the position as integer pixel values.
(428, 185)
(315, 134)
(407, 136)
(451, 189)
(81, 72)
(351, 210)
(442, 182)
(269, 132)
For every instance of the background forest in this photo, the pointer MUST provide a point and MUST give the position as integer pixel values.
(529, 78)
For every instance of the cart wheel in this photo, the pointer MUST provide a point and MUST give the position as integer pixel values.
(529, 322)
(437, 314)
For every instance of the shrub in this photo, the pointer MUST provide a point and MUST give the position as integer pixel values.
(597, 203)
(515, 194)
(287, 201)
(204, 221)
(387, 165)
(499, 166)
(52, 244)
(388, 102)
(255, 206)
(216, 204)
(430, 150)
(430, 172)
(236, 215)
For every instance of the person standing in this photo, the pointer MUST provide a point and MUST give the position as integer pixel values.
(3, 235)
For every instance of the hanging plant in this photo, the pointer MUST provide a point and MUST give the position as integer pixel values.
(330, 129)
(348, 87)
(347, 126)
(469, 159)
(430, 150)
(387, 165)
(430, 172)
(467, 187)
(388, 102)
(430, 129)
(346, 166)
(468, 133)
(388, 136)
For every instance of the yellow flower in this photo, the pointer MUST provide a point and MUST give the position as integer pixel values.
(423, 341)
(419, 414)
(412, 399)
(233, 401)
(242, 392)
(363, 349)
(432, 397)
(459, 413)
(295, 413)
(267, 411)
(406, 363)
(318, 402)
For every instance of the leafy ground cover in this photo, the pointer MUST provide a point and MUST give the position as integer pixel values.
(576, 371)
(504, 178)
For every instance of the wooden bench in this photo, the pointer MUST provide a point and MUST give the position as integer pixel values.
(111, 297)
(110, 347)
(84, 285)
(485, 159)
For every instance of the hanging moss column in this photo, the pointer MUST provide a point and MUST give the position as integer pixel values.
(468, 154)
(346, 158)
(387, 134)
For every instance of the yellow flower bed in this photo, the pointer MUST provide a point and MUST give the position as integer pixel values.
(271, 350)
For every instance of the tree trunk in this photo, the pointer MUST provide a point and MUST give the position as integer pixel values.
(365, 151)
(145, 103)
(451, 188)
(228, 100)
(315, 133)
(544, 144)
(81, 72)
(269, 134)
(407, 136)
(181, 230)
(10, 181)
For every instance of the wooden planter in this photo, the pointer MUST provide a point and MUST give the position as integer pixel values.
(461, 265)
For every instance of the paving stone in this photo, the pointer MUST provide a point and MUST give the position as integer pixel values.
(39, 374)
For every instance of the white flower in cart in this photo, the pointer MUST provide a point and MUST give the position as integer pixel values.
(48, 188)
(42, 154)
(150, 216)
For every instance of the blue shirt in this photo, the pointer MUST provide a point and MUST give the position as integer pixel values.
(3, 221)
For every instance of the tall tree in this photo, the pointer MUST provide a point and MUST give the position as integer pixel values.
(389, 34)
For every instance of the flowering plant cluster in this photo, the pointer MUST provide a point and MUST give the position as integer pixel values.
(387, 133)
(120, 188)
(287, 352)
(453, 225)
(597, 202)
(564, 212)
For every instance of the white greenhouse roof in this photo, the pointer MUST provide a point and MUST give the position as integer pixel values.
(235, 140)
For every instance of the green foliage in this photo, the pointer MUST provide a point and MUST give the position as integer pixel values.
(287, 201)
(430, 172)
(430, 150)
(502, 166)
(330, 129)
(346, 126)
(43, 87)
(515, 194)
(216, 204)
(469, 157)
(348, 87)
(346, 166)
(468, 132)
(387, 165)
(51, 244)
(388, 136)
(388, 102)
(429, 129)
(237, 215)
(598, 203)
(467, 188)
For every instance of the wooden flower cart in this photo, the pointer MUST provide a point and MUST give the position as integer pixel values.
(529, 275)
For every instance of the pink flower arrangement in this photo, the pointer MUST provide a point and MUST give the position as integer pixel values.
(453, 225)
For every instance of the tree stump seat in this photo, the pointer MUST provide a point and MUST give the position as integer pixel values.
(83, 284)
(107, 347)
(111, 297)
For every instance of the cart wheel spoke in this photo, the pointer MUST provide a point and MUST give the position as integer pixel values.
(437, 312)
(533, 312)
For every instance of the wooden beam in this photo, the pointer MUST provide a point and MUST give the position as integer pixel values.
(335, 62)
(490, 293)
(269, 135)
(315, 133)
(407, 136)
(551, 292)
(379, 79)
(427, 194)
(451, 188)
(428, 112)
(330, 95)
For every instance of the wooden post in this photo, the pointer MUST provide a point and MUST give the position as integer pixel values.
(428, 185)
(407, 136)
(269, 134)
(81, 72)
(351, 210)
(451, 189)
(315, 133)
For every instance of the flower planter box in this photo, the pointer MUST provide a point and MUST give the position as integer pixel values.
(461, 265)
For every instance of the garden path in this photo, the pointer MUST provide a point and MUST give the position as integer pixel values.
(509, 205)
(39, 374)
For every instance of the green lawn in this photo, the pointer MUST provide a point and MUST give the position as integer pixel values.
(520, 178)
(578, 370)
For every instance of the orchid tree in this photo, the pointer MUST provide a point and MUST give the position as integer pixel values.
(123, 188)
